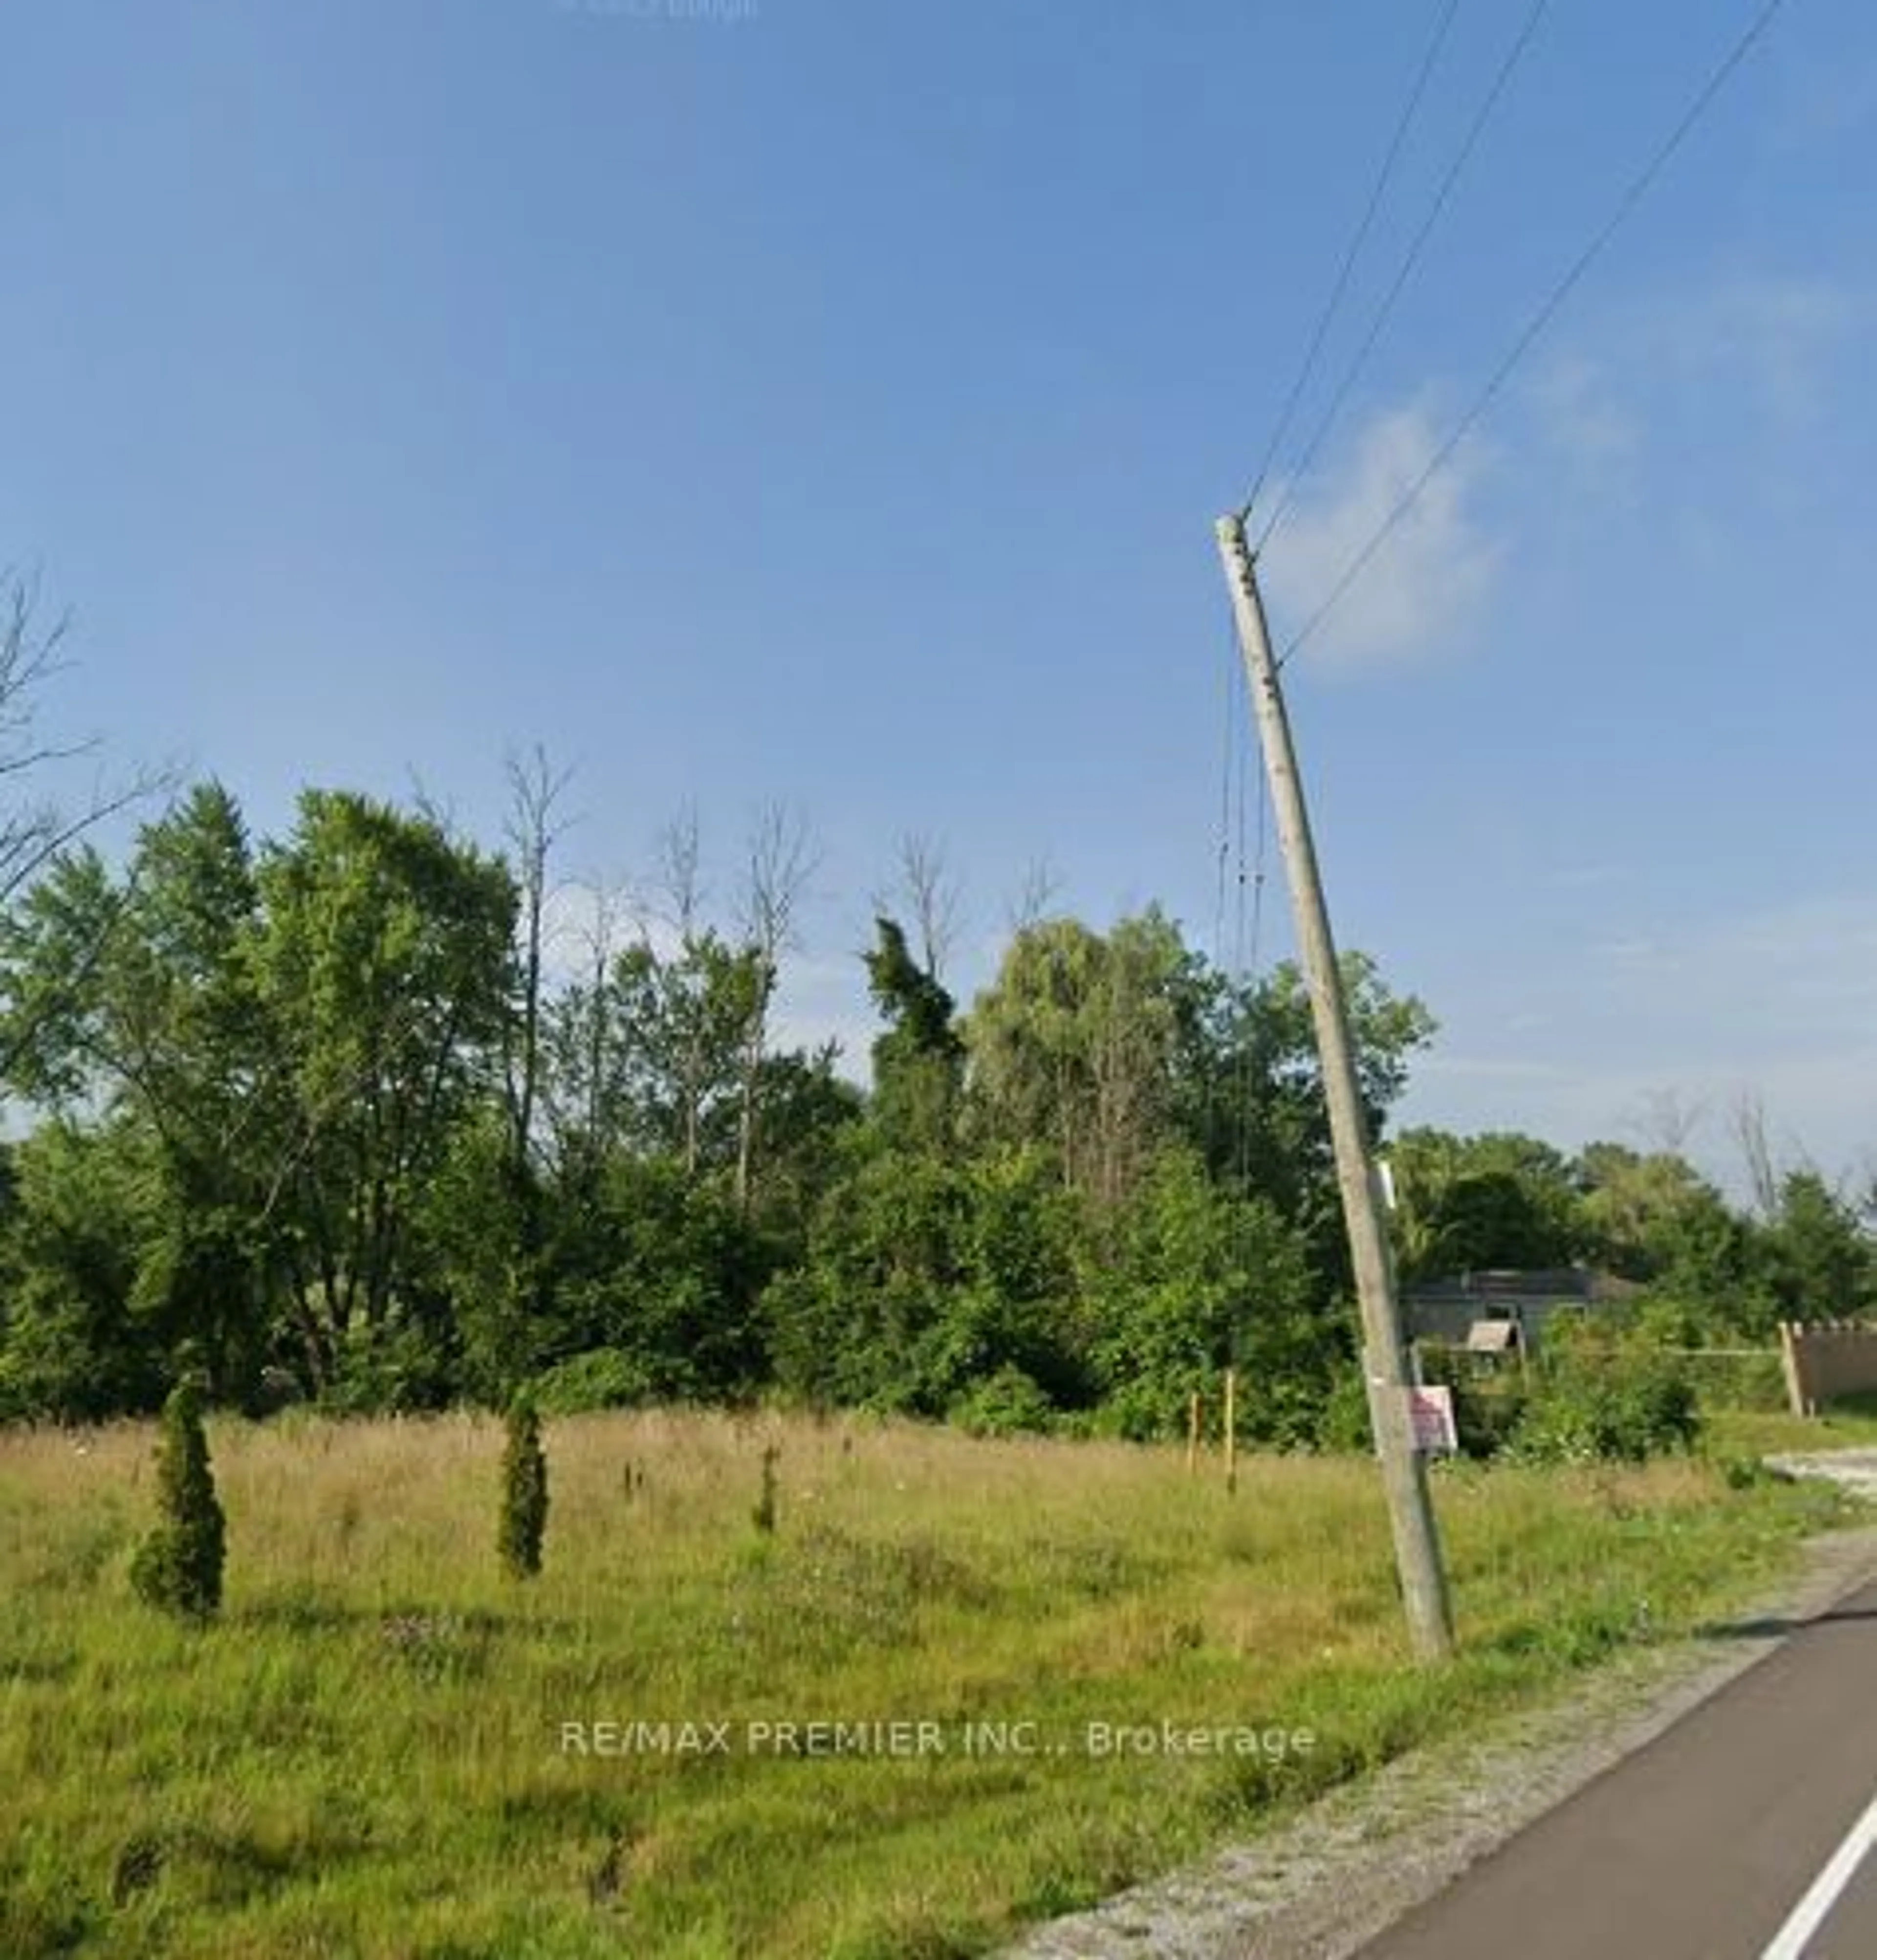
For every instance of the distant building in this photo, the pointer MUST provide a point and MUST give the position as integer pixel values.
(1452, 1310)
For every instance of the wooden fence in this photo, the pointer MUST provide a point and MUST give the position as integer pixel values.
(1825, 1361)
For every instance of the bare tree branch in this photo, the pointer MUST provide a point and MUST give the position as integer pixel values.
(536, 790)
(677, 876)
(928, 892)
(1666, 1119)
(1035, 896)
(1747, 1117)
(585, 1114)
(34, 832)
(782, 861)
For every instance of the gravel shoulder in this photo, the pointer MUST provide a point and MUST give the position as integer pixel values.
(1320, 1885)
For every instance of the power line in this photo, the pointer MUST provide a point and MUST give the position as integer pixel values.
(1638, 188)
(1248, 943)
(1258, 867)
(1340, 284)
(1404, 272)
(1240, 1135)
(1229, 723)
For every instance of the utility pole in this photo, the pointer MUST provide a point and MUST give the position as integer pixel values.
(1404, 1475)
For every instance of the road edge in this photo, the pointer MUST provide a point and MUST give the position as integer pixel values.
(1322, 1884)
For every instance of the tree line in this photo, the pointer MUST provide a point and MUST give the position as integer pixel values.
(316, 1117)
(322, 1117)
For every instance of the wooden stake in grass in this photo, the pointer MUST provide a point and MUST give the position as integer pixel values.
(178, 1566)
(1232, 1430)
(1194, 1405)
(524, 1517)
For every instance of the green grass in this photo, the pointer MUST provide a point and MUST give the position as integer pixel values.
(368, 1754)
(1849, 1424)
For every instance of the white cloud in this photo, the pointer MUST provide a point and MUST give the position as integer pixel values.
(1421, 592)
(1768, 345)
(1584, 422)
(1776, 335)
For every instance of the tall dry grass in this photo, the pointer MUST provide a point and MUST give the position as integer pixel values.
(369, 1753)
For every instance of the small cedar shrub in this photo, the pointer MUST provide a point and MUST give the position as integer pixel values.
(177, 1568)
(763, 1516)
(524, 1511)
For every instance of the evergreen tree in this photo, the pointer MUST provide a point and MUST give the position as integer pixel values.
(524, 1517)
(178, 1566)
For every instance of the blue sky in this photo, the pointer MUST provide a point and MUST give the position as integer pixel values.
(829, 401)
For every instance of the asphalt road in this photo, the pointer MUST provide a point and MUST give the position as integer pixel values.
(1743, 1833)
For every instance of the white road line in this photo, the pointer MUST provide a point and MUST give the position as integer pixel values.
(1812, 1911)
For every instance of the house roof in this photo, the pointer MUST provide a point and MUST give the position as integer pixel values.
(1555, 1286)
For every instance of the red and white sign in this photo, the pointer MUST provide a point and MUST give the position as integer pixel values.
(1430, 1418)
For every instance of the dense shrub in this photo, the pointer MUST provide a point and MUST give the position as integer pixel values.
(1490, 1403)
(1195, 1280)
(396, 1367)
(925, 1279)
(603, 1378)
(1617, 1406)
(1738, 1381)
(1344, 1424)
(1596, 1395)
(1005, 1404)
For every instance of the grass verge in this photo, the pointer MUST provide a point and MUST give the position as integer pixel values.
(1746, 1433)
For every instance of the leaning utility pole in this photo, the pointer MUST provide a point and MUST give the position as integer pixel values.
(1403, 1475)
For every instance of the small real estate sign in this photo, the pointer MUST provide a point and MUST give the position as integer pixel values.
(1430, 1421)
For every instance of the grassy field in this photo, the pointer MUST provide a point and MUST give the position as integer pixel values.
(385, 1748)
(1847, 1425)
